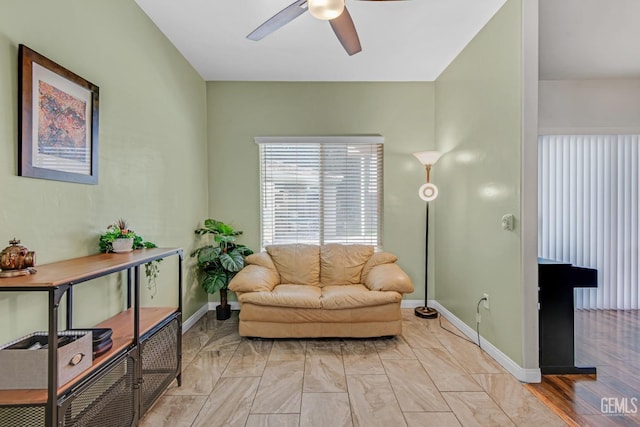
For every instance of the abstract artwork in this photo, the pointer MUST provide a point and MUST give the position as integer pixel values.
(58, 122)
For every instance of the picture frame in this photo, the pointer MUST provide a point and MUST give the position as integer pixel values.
(58, 121)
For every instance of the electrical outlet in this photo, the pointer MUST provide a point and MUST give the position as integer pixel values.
(485, 303)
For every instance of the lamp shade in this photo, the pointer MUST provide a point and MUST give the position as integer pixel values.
(428, 157)
(325, 9)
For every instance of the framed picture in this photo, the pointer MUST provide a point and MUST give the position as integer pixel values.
(58, 122)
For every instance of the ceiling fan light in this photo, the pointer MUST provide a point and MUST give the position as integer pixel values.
(325, 9)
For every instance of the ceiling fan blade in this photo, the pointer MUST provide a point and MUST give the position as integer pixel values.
(279, 20)
(346, 32)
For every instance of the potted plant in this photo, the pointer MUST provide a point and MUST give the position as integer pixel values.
(119, 238)
(218, 263)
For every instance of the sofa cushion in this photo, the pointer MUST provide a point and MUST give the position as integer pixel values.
(342, 264)
(299, 264)
(352, 296)
(378, 258)
(300, 296)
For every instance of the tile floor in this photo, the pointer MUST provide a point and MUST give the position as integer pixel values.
(426, 377)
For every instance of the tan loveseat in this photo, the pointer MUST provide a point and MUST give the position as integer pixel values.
(320, 291)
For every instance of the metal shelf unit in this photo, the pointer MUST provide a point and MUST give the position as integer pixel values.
(124, 382)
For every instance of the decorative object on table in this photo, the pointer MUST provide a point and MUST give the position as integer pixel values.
(218, 264)
(16, 260)
(23, 362)
(427, 192)
(58, 115)
(119, 238)
(122, 245)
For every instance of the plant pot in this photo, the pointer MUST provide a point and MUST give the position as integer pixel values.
(223, 312)
(122, 245)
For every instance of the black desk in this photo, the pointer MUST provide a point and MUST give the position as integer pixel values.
(556, 282)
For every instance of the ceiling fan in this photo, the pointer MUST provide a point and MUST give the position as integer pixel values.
(333, 11)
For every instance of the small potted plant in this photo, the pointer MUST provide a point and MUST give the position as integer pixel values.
(119, 238)
(218, 263)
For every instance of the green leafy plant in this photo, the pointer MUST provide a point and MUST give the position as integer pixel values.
(218, 263)
(120, 230)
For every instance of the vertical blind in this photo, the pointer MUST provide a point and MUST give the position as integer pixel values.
(588, 212)
(319, 191)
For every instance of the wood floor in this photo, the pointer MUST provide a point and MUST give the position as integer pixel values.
(427, 377)
(609, 340)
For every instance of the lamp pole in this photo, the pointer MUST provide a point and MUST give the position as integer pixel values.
(426, 312)
(426, 259)
(427, 192)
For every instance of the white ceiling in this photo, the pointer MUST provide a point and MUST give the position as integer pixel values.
(411, 40)
(589, 39)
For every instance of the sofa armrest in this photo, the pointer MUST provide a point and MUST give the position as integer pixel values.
(254, 278)
(376, 259)
(388, 277)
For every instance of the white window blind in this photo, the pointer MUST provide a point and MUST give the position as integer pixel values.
(588, 212)
(321, 190)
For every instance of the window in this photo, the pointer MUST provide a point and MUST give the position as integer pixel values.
(321, 190)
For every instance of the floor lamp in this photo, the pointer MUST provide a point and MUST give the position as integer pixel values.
(427, 192)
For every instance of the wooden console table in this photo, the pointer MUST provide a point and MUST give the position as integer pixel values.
(122, 383)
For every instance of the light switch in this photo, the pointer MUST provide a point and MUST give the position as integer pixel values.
(507, 222)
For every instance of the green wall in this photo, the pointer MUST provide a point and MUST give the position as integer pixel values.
(401, 112)
(478, 127)
(152, 152)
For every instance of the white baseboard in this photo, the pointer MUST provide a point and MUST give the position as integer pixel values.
(210, 306)
(187, 324)
(235, 305)
(522, 374)
(413, 303)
